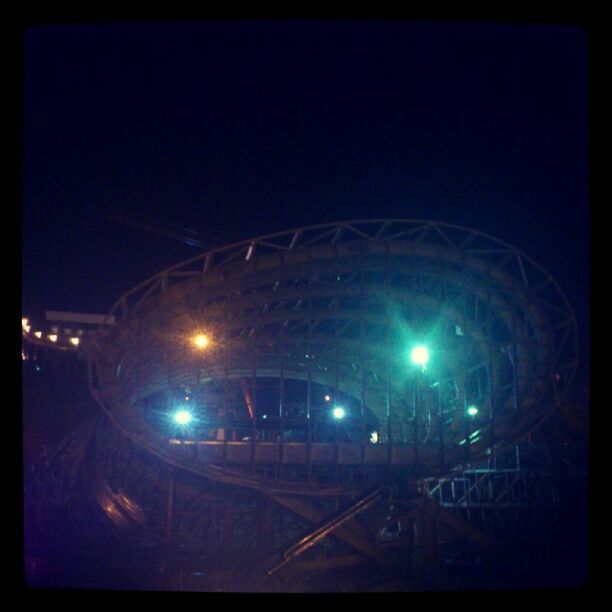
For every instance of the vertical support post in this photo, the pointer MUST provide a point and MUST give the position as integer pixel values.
(388, 399)
(424, 540)
(309, 368)
(489, 340)
(263, 535)
(440, 418)
(228, 523)
(515, 397)
(281, 407)
(430, 543)
(281, 400)
(464, 370)
(415, 418)
(170, 505)
(221, 433)
(336, 340)
(364, 433)
(515, 389)
(254, 399)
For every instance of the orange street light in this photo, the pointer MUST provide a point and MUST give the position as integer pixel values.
(201, 341)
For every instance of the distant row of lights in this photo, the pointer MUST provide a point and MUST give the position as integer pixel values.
(53, 337)
(200, 341)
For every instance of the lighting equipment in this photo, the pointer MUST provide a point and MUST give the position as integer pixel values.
(420, 355)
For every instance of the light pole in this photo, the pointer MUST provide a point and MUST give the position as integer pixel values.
(420, 357)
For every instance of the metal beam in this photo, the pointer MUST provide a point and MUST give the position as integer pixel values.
(456, 523)
(336, 524)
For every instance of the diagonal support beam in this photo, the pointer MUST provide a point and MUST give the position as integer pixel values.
(456, 523)
(337, 523)
(430, 507)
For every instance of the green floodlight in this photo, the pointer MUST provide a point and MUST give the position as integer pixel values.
(420, 355)
(472, 411)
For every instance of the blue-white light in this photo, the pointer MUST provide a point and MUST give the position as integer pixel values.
(472, 411)
(338, 412)
(183, 417)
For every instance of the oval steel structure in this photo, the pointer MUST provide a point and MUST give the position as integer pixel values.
(293, 354)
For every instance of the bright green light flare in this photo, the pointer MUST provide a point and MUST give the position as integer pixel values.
(420, 355)
(472, 411)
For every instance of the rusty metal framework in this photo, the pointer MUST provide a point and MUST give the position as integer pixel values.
(500, 502)
(336, 307)
(105, 486)
(300, 322)
(212, 528)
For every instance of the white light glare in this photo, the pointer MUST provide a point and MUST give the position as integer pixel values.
(338, 412)
(75, 341)
(472, 411)
(420, 355)
(182, 417)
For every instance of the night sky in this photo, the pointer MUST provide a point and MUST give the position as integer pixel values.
(237, 129)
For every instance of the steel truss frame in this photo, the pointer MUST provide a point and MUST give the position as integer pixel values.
(327, 305)
(145, 502)
(502, 502)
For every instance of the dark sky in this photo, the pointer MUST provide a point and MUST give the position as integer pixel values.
(236, 129)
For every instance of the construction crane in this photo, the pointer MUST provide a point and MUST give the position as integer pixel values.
(147, 223)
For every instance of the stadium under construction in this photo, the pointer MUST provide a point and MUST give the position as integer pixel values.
(378, 405)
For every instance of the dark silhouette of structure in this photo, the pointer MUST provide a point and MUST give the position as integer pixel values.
(366, 405)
